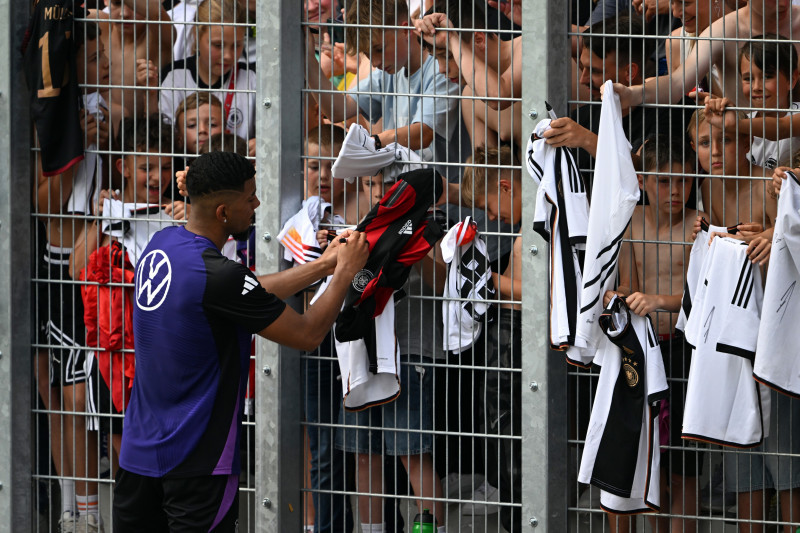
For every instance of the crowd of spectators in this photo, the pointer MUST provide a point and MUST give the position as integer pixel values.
(710, 83)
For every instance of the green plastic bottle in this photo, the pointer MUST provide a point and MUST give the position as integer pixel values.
(424, 523)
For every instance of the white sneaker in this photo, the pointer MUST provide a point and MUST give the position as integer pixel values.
(483, 498)
(88, 524)
(66, 524)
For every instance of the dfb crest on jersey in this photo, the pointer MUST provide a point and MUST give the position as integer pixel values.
(631, 375)
(362, 279)
(153, 278)
(235, 119)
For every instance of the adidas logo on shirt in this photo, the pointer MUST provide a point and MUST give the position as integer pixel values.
(249, 285)
(406, 229)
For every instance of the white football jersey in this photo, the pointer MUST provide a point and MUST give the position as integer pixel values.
(299, 234)
(724, 404)
(696, 259)
(360, 387)
(562, 219)
(358, 157)
(469, 283)
(621, 455)
(133, 224)
(614, 196)
(777, 364)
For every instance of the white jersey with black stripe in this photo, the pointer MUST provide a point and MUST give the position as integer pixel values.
(614, 195)
(562, 219)
(621, 455)
(724, 405)
(777, 364)
(696, 259)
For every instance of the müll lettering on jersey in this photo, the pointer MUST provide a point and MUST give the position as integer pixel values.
(57, 13)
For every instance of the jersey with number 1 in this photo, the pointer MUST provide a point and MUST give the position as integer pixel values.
(50, 72)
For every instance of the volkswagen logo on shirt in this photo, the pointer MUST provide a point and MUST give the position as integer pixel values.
(153, 278)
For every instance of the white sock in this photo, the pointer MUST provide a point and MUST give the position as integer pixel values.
(441, 529)
(67, 495)
(89, 505)
(371, 528)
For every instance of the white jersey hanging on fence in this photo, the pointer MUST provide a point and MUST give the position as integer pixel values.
(561, 218)
(614, 196)
(696, 259)
(468, 287)
(777, 364)
(621, 456)
(724, 404)
(359, 157)
(299, 234)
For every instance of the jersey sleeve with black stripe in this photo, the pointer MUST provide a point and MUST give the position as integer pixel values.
(696, 259)
(561, 218)
(777, 364)
(52, 79)
(724, 405)
(614, 196)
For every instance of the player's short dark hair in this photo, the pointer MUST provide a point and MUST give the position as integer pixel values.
(145, 134)
(622, 34)
(769, 55)
(218, 171)
(660, 150)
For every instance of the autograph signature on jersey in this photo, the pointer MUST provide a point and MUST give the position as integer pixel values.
(707, 324)
(787, 295)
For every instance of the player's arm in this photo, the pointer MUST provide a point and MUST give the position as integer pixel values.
(336, 105)
(307, 331)
(288, 282)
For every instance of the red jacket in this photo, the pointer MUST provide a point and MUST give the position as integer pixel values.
(108, 315)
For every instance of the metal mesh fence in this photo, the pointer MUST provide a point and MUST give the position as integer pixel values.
(451, 408)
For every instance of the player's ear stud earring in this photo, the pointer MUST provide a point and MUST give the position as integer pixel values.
(225, 220)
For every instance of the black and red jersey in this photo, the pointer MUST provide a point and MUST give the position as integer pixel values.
(50, 72)
(400, 234)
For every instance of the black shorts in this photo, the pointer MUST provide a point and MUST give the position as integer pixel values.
(175, 505)
(677, 354)
(98, 401)
(60, 318)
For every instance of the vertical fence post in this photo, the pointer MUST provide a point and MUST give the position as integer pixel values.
(279, 408)
(545, 75)
(15, 276)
